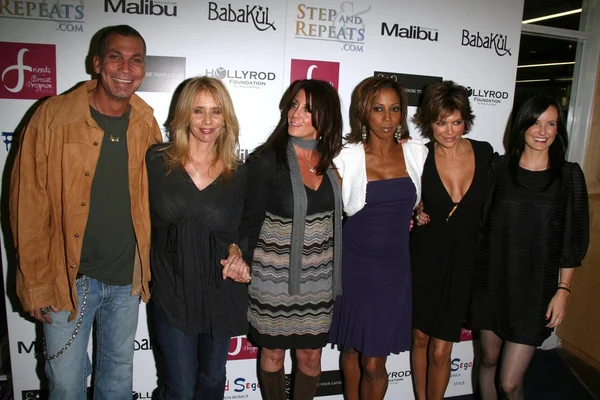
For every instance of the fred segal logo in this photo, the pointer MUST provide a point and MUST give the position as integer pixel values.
(327, 71)
(251, 14)
(493, 41)
(412, 32)
(142, 7)
(28, 71)
(487, 97)
(242, 78)
(344, 25)
(68, 15)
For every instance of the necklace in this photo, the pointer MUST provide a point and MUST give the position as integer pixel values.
(114, 139)
(197, 172)
(311, 168)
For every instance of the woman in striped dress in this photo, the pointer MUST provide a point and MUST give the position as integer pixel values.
(293, 222)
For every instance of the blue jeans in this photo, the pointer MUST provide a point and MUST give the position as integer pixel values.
(194, 363)
(116, 314)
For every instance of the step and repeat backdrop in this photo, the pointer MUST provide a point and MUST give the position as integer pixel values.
(256, 49)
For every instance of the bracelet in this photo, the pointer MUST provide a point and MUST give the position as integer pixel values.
(237, 248)
(564, 288)
(565, 283)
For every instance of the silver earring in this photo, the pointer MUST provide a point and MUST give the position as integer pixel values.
(363, 135)
(398, 133)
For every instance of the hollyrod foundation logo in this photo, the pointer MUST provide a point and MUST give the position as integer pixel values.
(345, 25)
(487, 97)
(327, 71)
(28, 71)
(242, 78)
(411, 32)
(395, 377)
(239, 347)
(34, 394)
(68, 14)
(142, 7)
(251, 14)
(413, 84)
(493, 41)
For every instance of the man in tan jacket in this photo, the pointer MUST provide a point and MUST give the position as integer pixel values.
(80, 218)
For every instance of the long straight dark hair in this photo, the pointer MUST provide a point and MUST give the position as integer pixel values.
(526, 116)
(324, 105)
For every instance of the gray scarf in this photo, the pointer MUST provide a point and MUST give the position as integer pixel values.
(299, 219)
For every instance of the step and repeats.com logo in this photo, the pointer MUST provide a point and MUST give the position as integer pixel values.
(327, 71)
(27, 70)
(345, 25)
(67, 14)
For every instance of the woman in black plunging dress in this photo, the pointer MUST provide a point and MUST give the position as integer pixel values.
(444, 242)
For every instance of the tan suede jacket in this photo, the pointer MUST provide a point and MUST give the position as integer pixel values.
(50, 190)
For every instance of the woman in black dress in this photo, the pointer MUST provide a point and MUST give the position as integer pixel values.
(199, 292)
(444, 242)
(537, 231)
(293, 224)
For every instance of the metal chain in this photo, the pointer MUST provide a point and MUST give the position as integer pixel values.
(85, 287)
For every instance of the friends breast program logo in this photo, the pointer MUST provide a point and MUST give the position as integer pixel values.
(493, 41)
(240, 348)
(251, 14)
(344, 25)
(28, 70)
(67, 14)
(327, 71)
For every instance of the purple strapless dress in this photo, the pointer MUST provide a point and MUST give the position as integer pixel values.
(373, 315)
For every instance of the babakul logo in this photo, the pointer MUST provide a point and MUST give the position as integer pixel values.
(327, 71)
(28, 70)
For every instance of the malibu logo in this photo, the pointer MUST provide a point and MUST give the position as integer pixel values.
(142, 7)
(412, 32)
(495, 41)
(255, 15)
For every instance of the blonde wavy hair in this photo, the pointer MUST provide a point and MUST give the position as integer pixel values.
(226, 145)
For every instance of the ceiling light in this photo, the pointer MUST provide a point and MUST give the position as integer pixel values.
(546, 64)
(545, 17)
(533, 80)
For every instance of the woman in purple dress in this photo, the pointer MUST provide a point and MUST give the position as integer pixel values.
(381, 175)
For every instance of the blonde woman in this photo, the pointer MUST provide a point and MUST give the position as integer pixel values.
(199, 277)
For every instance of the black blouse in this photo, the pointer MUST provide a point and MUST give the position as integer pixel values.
(191, 231)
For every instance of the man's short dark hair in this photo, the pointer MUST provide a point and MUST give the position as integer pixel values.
(123, 30)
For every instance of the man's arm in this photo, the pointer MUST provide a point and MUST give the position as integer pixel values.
(30, 218)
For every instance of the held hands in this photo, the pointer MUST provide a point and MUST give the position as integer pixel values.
(43, 314)
(557, 309)
(421, 217)
(235, 267)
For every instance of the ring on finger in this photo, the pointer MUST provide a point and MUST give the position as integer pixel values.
(44, 310)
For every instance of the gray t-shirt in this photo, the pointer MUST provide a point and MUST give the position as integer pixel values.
(109, 240)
